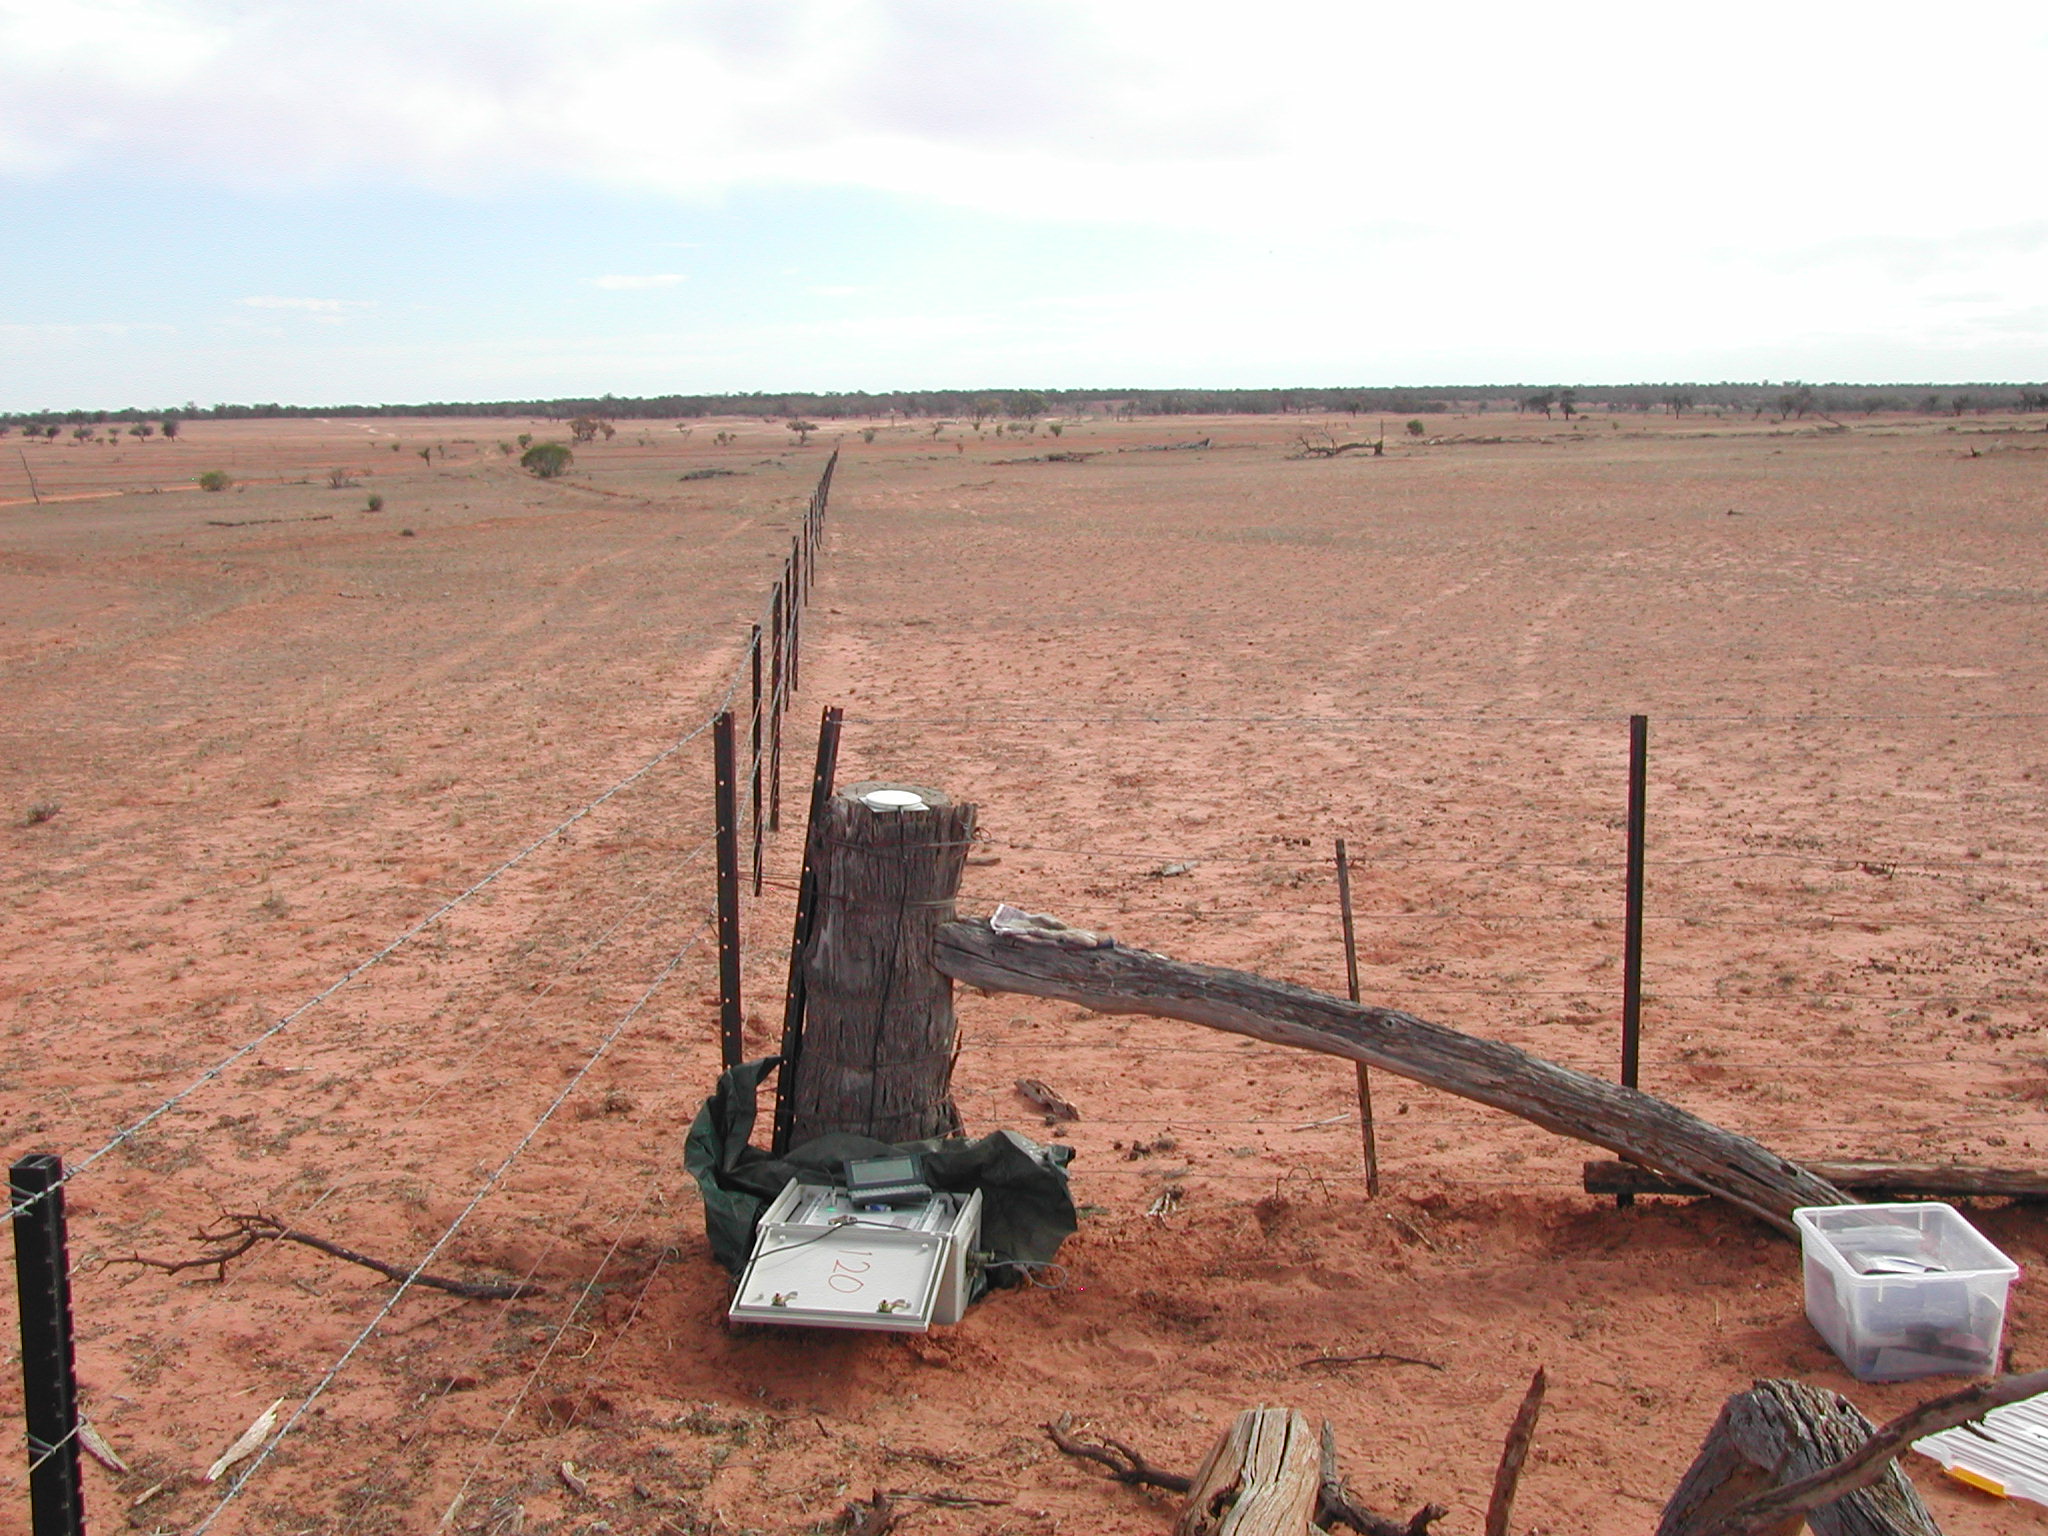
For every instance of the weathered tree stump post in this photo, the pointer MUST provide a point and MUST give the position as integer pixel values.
(1261, 1478)
(879, 1030)
(1779, 1432)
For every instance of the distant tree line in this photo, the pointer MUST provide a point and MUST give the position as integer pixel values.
(1786, 399)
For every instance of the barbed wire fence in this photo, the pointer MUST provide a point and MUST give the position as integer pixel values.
(767, 674)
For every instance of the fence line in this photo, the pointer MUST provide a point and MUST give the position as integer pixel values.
(394, 1127)
(1842, 863)
(786, 599)
(1197, 908)
(785, 602)
(1447, 717)
(72, 1169)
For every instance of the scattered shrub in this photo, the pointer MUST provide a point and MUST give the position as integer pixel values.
(544, 461)
(40, 812)
(525, 439)
(867, 434)
(215, 480)
(376, 504)
(1416, 429)
(340, 479)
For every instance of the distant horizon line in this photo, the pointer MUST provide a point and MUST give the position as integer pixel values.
(1175, 399)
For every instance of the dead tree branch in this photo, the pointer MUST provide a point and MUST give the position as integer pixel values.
(241, 1231)
(1378, 1354)
(1512, 1454)
(1324, 445)
(1335, 1506)
(1125, 1465)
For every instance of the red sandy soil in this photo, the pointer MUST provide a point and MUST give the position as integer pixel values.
(254, 737)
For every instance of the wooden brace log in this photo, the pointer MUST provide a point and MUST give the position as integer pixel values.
(1940, 1180)
(1099, 974)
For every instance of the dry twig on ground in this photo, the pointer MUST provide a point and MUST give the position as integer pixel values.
(1125, 1465)
(1377, 1354)
(241, 1231)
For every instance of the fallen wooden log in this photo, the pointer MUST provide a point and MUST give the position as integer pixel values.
(1045, 958)
(1604, 1176)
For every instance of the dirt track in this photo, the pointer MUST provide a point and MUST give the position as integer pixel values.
(277, 744)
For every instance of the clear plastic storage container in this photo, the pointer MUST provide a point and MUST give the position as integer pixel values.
(1900, 1291)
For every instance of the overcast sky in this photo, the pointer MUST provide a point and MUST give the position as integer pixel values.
(403, 200)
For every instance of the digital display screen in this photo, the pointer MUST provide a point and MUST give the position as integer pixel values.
(882, 1170)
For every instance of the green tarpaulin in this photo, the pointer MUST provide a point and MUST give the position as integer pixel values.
(1026, 1210)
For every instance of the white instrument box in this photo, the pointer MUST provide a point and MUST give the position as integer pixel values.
(819, 1261)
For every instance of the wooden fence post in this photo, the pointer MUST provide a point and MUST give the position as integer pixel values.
(879, 1029)
(1368, 1135)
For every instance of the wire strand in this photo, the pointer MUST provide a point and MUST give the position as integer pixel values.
(490, 1183)
(213, 1073)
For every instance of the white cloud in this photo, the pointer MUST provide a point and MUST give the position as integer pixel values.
(1502, 120)
(1609, 179)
